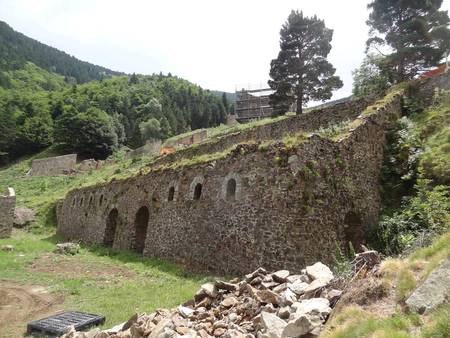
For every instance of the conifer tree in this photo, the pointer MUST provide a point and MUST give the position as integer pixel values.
(301, 71)
(416, 31)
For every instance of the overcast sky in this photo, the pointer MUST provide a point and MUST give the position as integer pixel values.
(216, 44)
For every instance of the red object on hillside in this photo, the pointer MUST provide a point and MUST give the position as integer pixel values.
(441, 69)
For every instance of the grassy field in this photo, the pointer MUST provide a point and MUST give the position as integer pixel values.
(97, 280)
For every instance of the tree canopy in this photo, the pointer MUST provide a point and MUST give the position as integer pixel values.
(39, 107)
(301, 71)
(415, 30)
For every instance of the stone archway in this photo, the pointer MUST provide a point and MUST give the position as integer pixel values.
(140, 229)
(111, 227)
(353, 230)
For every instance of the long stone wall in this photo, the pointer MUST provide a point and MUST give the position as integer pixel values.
(52, 166)
(307, 122)
(7, 205)
(280, 207)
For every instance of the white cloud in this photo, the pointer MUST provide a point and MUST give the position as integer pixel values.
(216, 44)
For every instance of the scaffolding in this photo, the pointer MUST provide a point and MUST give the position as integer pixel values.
(253, 104)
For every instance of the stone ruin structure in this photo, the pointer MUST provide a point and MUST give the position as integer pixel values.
(52, 166)
(270, 204)
(150, 148)
(193, 138)
(7, 205)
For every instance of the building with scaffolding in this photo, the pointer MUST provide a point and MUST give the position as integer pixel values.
(253, 104)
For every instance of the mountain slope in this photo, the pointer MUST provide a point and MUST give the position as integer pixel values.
(16, 49)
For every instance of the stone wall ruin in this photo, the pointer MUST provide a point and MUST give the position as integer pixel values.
(7, 205)
(277, 207)
(52, 166)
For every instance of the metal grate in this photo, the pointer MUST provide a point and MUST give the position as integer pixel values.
(59, 324)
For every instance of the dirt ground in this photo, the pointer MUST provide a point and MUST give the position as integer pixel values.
(72, 266)
(20, 304)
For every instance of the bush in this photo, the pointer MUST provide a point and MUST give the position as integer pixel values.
(91, 133)
(426, 212)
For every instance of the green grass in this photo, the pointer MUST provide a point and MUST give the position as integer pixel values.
(223, 130)
(438, 325)
(142, 285)
(354, 322)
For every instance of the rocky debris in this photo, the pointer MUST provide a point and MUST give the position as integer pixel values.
(433, 292)
(67, 248)
(366, 260)
(23, 216)
(7, 247)
(260, 305)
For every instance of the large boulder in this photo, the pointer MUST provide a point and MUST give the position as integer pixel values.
(433, 292)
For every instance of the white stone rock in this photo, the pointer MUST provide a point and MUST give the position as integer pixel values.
(320, 271)
(298, 287)
(301, 325)
(280, 276)
(272, 324)
(315, 285)
(185, 311)
(320, 306)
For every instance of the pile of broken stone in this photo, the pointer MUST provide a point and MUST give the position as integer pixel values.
(262, 305)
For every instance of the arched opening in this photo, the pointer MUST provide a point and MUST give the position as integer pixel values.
(90, 200)
(353, 230)
(140, 228)
(101, 200)
(81, 201)
(231, 189)
(198, 191)
(111, 226)
(171, 194)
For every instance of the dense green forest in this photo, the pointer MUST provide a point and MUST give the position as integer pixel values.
(43, 102)
(39, 109)
(16, 49)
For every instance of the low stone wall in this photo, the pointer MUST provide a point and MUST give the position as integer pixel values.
(7, 205)
(194, 138)
(307, 122)
(149, 149)
(51, 166)
(278, 207)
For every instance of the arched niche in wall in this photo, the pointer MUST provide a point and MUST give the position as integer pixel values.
(196, 188)
(140, 229)
(231, 187)
(172, 191)
(353, 230)
(111, 227)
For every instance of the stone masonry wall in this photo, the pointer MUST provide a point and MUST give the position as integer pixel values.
(281, 207)
(7, 205)
(149, 148)
(52, 166)
(307, 122)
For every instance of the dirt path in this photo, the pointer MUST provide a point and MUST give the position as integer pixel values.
(22, 303)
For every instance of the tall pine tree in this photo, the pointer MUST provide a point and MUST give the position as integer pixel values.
(301, 71)
(416, 31)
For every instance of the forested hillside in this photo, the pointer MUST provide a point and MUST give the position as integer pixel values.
(16, 49)
(40, 109)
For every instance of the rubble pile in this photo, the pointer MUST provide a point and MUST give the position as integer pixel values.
(260, 305)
